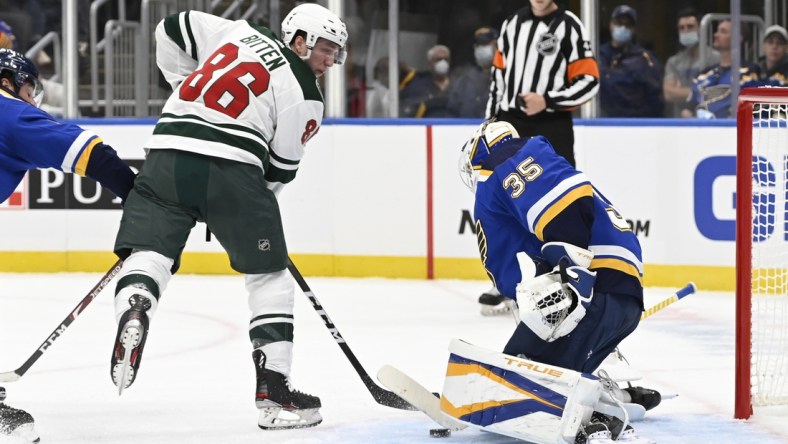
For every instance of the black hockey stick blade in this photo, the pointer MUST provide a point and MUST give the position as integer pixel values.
(14, 375)
(385, 397)
(381, 395)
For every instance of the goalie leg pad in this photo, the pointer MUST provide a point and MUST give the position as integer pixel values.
(517, 397)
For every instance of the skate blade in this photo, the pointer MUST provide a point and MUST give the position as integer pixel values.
(277, 418)
(123, 372)
(496, 310)
(630, 437)
(600, 441)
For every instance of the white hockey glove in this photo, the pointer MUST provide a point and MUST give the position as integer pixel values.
(552, 304)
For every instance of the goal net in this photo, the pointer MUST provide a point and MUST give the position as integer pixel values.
(761, 249)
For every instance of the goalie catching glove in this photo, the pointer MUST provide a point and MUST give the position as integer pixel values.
(552, 304)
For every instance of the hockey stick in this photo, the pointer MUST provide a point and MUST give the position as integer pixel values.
(685, 291)
(381, 395)
(424, 400)
(14, 375)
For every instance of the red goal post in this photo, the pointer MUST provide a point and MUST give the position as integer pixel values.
(761, 249)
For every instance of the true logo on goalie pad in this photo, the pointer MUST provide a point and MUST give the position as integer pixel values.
(539, 368)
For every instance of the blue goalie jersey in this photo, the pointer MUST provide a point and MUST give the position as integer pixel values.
(528, 195)
(31, 138)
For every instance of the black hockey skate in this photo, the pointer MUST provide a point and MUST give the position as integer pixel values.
(594, 433)
(607, 429)
(646, 397)
(16, 423)
(492, 303)
(129, 342)
(280, 406)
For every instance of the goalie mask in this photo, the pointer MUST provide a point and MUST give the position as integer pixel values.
(23, 71)
(318, 23)
(482, 142)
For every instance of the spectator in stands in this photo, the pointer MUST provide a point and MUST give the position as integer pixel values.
(711, 89)
(427, 94)
(469, 92)
(774, 64)
(378, 91)
(7, 38)
(631, 76)
(52, 101)
(686, 64)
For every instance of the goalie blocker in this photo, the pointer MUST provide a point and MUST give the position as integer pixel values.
(526, 399)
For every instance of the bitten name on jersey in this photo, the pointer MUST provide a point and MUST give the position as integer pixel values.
(267, 51)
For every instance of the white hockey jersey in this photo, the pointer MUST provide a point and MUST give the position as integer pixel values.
(239, 93)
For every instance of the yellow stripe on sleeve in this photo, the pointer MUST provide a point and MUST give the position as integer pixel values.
(559, 206)
(81, 166)
(617, 264)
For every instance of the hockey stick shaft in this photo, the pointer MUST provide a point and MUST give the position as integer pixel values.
(14, 375)
(381, 395)
(682, 293)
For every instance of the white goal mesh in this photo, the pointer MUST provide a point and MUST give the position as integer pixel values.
(769, 359)
(762, 250)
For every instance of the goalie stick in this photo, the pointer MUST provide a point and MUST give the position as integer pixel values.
(680, 294)
(14, 375)
(417, 395)
(381, 395)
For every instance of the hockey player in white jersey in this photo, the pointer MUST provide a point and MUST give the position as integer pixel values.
(244, 105)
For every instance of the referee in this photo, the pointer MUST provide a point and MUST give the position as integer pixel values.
(543, 69)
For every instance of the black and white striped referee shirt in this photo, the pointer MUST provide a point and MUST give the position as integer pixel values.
(548, 55)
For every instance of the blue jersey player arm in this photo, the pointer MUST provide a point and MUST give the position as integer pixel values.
(38, 141)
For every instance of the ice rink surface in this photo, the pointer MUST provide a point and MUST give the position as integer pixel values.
(196, 383)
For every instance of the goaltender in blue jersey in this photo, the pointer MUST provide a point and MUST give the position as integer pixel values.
(531, 200)
(553, 243)
(31, 138)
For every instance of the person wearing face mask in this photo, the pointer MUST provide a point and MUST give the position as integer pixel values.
(683, 66)
(428, 93)
(469, 92)
(631, 84)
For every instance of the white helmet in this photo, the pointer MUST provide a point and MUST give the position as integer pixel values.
(482, 142)
(317, 22)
